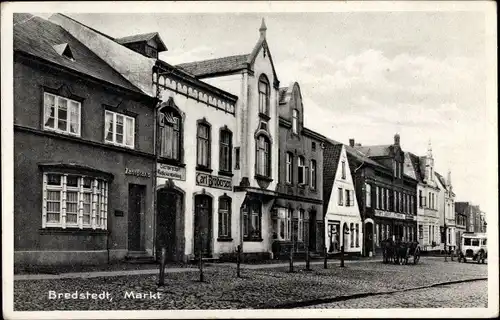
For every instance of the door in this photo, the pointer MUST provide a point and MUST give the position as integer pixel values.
(312, 231)
(368, 235)
(203, 225)
(136, 195)
(168, 204)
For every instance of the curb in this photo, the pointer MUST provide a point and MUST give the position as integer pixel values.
(306, 303)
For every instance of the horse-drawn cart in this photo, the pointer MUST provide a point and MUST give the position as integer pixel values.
(400, 252)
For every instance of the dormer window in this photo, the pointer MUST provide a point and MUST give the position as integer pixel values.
(264, 95)
(64, 50)
(295, 120)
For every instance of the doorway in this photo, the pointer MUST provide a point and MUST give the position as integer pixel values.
(136, 208)
(203, 225)
(368, 238)
(169, 210)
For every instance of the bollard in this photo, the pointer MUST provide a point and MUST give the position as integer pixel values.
(201, 265)
(308, 260)
(325, 262)
(238, 261)
(342, 256)
(291, 260)
(161, 279)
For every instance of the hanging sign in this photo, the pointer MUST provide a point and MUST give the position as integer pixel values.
(170, 172)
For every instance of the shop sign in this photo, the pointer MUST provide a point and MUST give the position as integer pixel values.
(170, 172)
(137, 173)
(207, 180)
(389, 214)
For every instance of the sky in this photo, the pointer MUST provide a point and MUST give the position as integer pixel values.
(363, 75)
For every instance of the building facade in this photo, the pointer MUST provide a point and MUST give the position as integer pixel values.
(343, 224)
(386, 196)
(447, 213)
(297, 214)
(84, 158)
(428, 199)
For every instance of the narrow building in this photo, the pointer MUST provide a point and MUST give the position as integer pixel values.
(386, 196)
(343, 224)
(447, 213)
(297, 214)
(84, 154)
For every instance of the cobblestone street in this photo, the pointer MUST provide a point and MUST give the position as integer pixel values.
(458, 295)
(271, 287)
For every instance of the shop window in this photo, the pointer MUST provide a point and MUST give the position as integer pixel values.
(263, 155)
(120, 129)
(74, 201)
(61, 115)
(225, 150)
(252, 220)
(289, 167)
(264, 95)
(170, 134)
(203, 145)
(225, 217)
(368, 197)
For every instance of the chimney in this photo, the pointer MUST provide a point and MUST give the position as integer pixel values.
(396, 139)
(351, 142)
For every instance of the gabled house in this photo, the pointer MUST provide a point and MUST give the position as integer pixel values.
(446, 208)
(428, 198)
(343, 223)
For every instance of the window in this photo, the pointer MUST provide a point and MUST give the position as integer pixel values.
(430, 200)
(300, 232)
(283, 226)
(395, 201)
(252, 221)
(420, 199)
(368, 195)
(61, 114)
(289, 167)
(237, 158)
(387, 199)
(224, 217)
(343, 170)
(377, 234)
(263, 157)
(313, 174)
(313, 146)
(341, 197)
(74, 201)
(401, 202)
(264, 93)
(377, 197)
(203, 145)
(226, 147)
(295, 120)
(170, 134)
(120, 129)
(384, 199)
(357, 235)
(347, 198)
(301, 171)
(352, 235)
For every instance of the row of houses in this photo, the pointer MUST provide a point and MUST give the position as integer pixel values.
(119, 154)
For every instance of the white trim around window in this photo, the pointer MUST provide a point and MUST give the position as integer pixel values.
(119, 129)
(74, 201)
(61, 114)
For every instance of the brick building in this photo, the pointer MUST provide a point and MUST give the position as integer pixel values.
(84, 157)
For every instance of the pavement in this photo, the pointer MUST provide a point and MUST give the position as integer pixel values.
(259, 287)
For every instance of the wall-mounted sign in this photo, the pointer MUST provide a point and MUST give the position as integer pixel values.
(389, 214)
(170, 172)
(137, 173)
(207, 180)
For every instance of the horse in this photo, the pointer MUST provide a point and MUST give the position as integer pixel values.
(387, 250)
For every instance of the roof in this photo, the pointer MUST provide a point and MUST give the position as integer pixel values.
(143, 37)
(209, 67)
(374, 151)
(415, 161)
(37, 37)
(441, 179)
(331, 158)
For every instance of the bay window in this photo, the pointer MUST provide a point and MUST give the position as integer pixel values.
(119, 129)
(61, 115)
(76, 201)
